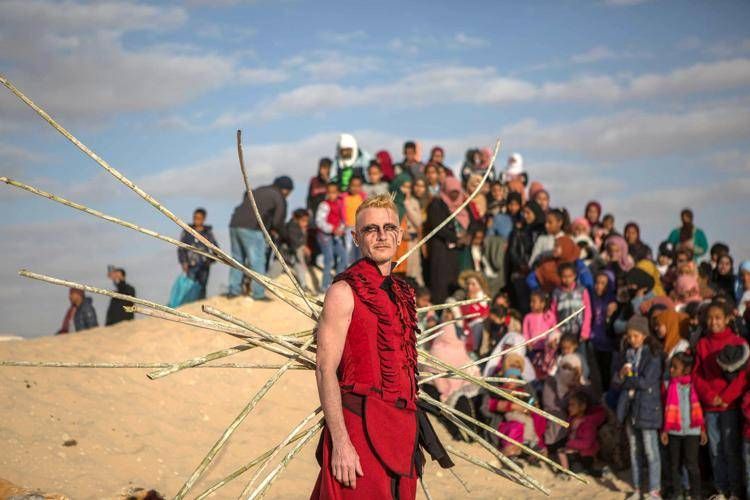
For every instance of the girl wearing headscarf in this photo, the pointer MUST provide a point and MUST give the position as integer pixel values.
(444, 249)
(686, 290)
(386, 165)
(723, 276)
(615, 257)
(410, 217)
(478, 205)
(593, 213)
(672, 329)
(689, 236)
(567, 378)
(636, 248)
(511, 339)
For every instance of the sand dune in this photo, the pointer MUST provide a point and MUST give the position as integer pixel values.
(94, 433)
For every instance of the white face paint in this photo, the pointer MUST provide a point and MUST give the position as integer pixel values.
(378, 234)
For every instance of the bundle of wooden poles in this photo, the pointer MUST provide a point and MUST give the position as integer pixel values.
(296, 348)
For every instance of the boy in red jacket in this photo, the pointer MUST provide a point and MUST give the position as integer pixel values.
(720, 396)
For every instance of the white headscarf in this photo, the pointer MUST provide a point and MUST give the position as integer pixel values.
(511, 339)
(347, 141)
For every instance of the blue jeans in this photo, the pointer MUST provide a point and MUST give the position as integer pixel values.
(644, 442)
(724, 441)
(248, 248)
(333, 250)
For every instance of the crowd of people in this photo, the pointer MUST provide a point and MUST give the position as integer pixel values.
(654, 341)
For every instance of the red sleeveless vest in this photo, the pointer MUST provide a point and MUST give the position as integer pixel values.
(379, 362)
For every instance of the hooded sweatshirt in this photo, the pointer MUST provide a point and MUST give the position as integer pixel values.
(708, 376)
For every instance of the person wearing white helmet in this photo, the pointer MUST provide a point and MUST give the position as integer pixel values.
(350, 161)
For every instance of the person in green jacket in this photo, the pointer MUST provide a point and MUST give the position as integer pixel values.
(689, 235)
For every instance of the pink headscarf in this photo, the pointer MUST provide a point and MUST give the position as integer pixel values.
(626, 262)
(453, 184)
(687, 289)
(581, 222)
(535, 188)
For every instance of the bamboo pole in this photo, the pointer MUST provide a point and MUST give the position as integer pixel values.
(263, 334)
(463, 205)
(515, 468)
(313, 311)
(459, 479)
(509, 350)
(105, 364)
(241, 470)
(483, 464)
(278, 448)
(425, 488)
(130, 184)
(497, 433)
(448, 305)
(491, 388)
(198, 472)
(426, 337)
(271, 477)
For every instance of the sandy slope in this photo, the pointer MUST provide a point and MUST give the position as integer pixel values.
(130, 430)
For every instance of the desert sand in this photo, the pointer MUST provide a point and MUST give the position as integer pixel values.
(94, 433)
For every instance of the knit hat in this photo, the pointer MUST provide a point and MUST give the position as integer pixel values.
(284, 182)
(639, 324)
(732, 359)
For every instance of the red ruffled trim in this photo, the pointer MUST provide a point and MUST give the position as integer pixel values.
(392, 338)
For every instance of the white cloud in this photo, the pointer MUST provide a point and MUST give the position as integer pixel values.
(624, 3)
(595, 54)
(71, 59)
(484, 85)
(469, 41)
(342, 37)
(331, 64)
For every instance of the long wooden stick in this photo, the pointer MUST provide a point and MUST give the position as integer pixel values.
(263, 334)
(455, 212)
(104, 364)
(515, 468)
(509, 350)
(483, 464)
(497, 433)
(439, 329)
(495, 390)
(284, 442)
(448, 305)
(271, 477)
(313, 310)
(241, 470)
(130, 184)
(233, 426)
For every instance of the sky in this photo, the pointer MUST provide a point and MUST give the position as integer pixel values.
(643, 105)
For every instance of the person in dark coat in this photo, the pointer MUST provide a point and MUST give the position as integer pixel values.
(195, 265)
(444, 249)
(249, 247)
(116, 312)
(639, 405)
(81, 312)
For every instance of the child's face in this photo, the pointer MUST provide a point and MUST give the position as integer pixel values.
(567, 277)
(375, 174)
(496, 191)
(432, 175)
(568, 347)
(477, 239)
(608, 223)
(472, 287)
(631, 235)
(716, 320)
(332, 192)
(745, 279)
(575, 408)
(600, 285)
(423, 300)
(419, 188)
(635, 338)
(552, 224)
(724, 265)
(664, 260)
(304, 221)
(659, 329)
(513, 207)
(528, 215)
(406, 188)
(543, 199)
(536, 304)
(355, 186)
(592, 213)
(614, 252)
(676, 368)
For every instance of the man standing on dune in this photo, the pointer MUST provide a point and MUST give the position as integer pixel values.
(366, 372)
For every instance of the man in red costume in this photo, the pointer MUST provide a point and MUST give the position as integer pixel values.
(366, 372)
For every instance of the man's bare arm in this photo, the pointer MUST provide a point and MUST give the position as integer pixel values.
(332, 330)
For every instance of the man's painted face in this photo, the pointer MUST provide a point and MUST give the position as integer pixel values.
(378, 234)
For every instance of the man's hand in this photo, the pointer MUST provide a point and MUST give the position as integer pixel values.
(345, 464)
